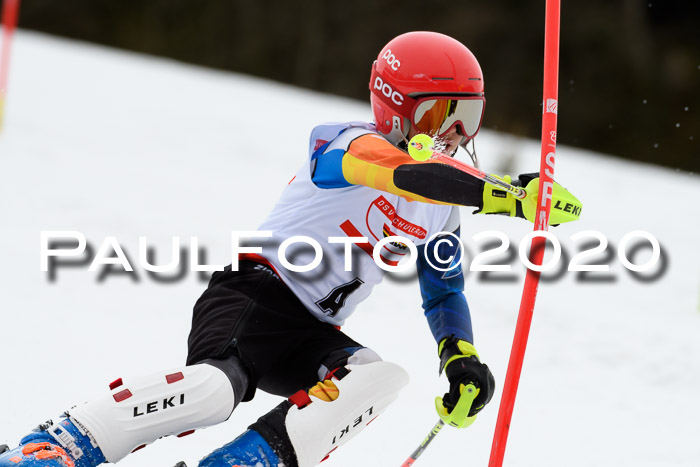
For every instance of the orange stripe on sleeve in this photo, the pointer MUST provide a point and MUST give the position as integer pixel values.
(375, 164)
(376, 150)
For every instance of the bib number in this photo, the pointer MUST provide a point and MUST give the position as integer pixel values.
(335, 300)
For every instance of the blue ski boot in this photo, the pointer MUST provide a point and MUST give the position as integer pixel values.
(249, 449)
(64, 444)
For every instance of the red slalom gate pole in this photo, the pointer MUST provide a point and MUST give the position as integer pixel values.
(532, 278)
(10, 9)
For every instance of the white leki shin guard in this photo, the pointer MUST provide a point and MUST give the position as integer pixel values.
(138, 411)
(313, 428)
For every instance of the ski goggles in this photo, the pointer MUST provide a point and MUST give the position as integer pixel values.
(439, 115)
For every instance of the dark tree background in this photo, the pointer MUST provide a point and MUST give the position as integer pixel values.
(629, 69)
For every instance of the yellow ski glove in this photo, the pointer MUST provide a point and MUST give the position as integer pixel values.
(471, 383)
(565, 206)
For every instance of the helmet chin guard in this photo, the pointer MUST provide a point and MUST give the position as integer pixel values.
(394, 127)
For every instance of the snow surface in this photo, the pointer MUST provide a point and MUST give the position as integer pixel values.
(110, 143)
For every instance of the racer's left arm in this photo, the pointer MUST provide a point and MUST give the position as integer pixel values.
(449, 319)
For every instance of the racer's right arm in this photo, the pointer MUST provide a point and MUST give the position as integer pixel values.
(372, 161)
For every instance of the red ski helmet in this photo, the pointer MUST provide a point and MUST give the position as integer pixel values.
(429, 80)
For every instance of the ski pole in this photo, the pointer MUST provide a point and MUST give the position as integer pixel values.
(420, 148)
(464, 405)
(424, 445)
(516, 191)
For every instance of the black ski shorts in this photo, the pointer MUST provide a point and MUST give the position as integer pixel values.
(251, 314)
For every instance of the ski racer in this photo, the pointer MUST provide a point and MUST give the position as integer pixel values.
(262, 325)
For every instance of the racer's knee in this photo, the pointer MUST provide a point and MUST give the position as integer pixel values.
(235, 372)
(349, 355)
(304, 429)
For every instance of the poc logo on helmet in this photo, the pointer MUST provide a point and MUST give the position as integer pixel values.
(391, 59)
(385, 89)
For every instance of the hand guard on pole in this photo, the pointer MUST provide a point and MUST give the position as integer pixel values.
(471, 383)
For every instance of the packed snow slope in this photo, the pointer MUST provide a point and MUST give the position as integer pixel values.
(109, 143)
